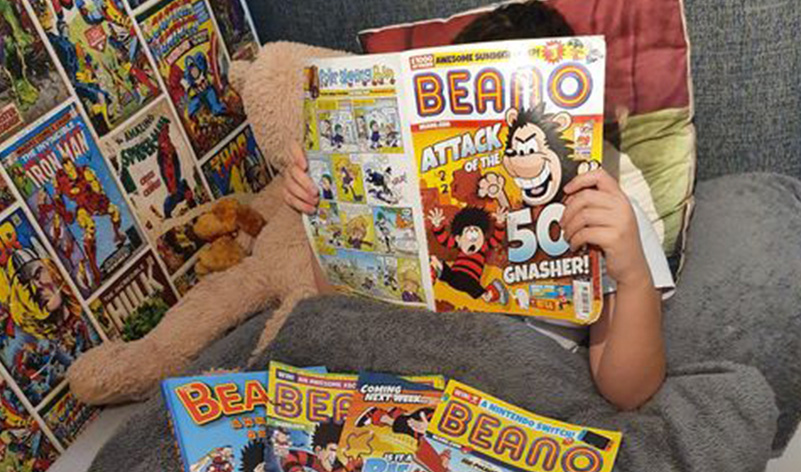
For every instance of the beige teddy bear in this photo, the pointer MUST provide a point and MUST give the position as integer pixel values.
(278, 273)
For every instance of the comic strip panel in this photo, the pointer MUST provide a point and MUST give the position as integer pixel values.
(348, 177)
(400, 279)
(327, 228)
(322, 175)
(394, 228)
(386, 179)
(335, 126)
(377, 125)
(357, 223)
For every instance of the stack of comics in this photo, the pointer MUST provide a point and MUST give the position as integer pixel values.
(299, 420)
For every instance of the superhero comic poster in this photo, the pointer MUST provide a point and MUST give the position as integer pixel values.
(155, 166)
(234, 24)
(67, 417)
(23, 445)
(487, 137)
(191, 59)
(97, 45)
(64, 180)
(30, 85)
(44, 327)
(135, 303)
(238, 167)
(6, 197)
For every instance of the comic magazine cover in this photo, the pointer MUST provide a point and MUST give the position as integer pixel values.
(156, 169)
(192, 61)
(135, 303)
(513, 438)
(6, 197)
(239, 167)
(66, 183)
(232, 19)
(45, 327)
(97, 45)
(30, 85)
(466, 150)
(23, 445)
(67, 417)
(388, 420)
(219, 421)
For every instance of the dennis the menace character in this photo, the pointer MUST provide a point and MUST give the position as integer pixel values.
(470, 233)
(412, 424)
(325, 444)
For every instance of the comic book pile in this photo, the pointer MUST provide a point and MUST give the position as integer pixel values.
(117, 123)
(441, 173)
(297, 420)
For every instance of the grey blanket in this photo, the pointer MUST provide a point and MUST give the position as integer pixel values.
(733, 333)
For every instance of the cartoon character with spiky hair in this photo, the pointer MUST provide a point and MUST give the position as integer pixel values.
(472, 232)
(325, 445)
(253, 457)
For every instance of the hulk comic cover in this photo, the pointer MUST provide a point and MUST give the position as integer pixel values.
(67, 417)
(30, 85)
(65, 182)
(45, 328)
(135, 303)
(102, 56)
(23, 445)
(234, 23)
(487, 137)
(239, 167)
(470, 428)
(192, 61)
(156, 168)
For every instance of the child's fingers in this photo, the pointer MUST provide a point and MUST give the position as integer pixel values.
(304, 181)
(298, 156)
(586, 199)
(596, 236)
(597, 178)
(301, 193)
(298, 204)
(588, 218)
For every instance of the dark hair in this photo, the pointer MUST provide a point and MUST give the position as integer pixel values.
(252, 456)
(529, 20)
(537, 116)
(326, 433)
(327, 177)
(470, 216)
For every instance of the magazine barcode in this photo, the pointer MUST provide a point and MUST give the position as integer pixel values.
(582, 299)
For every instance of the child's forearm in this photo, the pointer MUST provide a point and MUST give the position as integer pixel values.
(627, 352)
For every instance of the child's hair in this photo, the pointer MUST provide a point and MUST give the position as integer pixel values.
(528, 20)
(326, 433)
(470, 216)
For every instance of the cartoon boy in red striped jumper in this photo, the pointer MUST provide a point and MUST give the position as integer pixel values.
(470, 232)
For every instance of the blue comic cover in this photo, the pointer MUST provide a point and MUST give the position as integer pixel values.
(238, 167)
(66, 183)
(43, 325)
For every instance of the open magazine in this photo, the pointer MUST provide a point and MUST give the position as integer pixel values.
(441, 173)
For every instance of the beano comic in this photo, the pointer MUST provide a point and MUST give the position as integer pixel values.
(67, 185)
(98, 47)
(473, 431)
(156, 168)
(451, 162)
(192, 61)
(23, 445)
(30, 85)
(45, 328)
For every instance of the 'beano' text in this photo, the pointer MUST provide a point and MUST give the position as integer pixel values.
(204, 404)
(310, 404)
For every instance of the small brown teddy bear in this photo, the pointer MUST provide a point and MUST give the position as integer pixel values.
(231, 229)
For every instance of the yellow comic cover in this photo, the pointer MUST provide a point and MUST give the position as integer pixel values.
(495, 431)
(473, 145)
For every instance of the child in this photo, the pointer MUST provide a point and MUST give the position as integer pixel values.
(626, 348)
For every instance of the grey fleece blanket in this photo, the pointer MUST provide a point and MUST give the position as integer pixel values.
(733, 347)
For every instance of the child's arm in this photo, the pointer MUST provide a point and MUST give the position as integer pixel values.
(627, 354)
(300, 192)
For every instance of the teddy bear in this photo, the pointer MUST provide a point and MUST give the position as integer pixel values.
(277, 274)
(229, 228)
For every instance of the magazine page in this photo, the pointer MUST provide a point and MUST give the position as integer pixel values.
(497, 130)
(367, 233)
(470, 427)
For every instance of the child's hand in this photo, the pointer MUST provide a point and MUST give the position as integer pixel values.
(436, 217)
(300, 193)
(500, 216)
(599, 213)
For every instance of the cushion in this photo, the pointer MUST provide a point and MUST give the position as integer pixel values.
(647, 76)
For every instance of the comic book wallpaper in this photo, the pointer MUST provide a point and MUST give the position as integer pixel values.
(67, 417)
(23, 445)
(135, 303)
(59, 170)
(155, 166)
(193, 64)
(235, 29)
(238, 167)
(101, 54)
(44, 325)
(30, 86)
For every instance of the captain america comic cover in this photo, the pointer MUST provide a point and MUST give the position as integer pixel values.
(65, 182)
(45, 328)
(193, 63)
(102, 56)
(23, 445)
(30, 85)
(156, 169)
